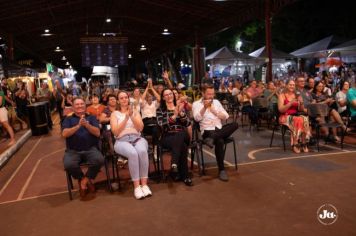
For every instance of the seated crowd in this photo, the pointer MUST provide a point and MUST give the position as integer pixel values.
(162, 112)
(168, 115)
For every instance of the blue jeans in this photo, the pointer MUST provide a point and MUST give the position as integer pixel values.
(92, 157)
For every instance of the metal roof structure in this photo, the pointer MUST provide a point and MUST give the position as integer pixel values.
(142, 21)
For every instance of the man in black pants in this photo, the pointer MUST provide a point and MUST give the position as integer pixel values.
(82, 133)
(210, 113)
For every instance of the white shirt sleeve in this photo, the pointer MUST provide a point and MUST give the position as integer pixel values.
(197, 106)
(220, 108)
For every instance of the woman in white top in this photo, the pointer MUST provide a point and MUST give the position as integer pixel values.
(136, 100)
(126, 125)
(148, 111)
(341, 100)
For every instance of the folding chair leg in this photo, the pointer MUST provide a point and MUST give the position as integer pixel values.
(153, 157)
(108, 177)
(192, 156)
(342, 140)
(284, 130)
(160, 161)
(113, 164)
(69, 185)
(233, 142)
(274, 128)
(224, 149)
(202, 159)
(118, 175)
(317, 137)
(197, 157)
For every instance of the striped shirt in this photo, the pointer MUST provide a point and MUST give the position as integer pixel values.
(164, 119)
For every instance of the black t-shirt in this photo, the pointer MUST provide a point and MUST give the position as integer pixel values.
(21, 105)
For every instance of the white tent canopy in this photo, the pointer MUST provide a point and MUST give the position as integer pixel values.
(276, 54)
(225, 56)
(223, 53)
(318, 49)
(346, 49)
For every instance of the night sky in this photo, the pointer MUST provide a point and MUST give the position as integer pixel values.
(295, 26)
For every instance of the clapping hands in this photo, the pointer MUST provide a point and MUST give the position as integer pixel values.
(83, 122)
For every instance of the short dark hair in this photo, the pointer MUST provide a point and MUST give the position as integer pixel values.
(94, 95)
(111, 96)
(207, 86)
(343, 82)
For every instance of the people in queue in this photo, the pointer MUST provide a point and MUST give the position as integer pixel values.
(210, 113)
(288, 105)
(173, 121)
(82, 133)
(126, 125)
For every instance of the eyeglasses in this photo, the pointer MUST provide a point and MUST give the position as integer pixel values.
(168, 94)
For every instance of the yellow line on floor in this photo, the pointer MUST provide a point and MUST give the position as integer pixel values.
(35, 197)
(251, 153)
(19, 167)
(29, 178)
(208, 168)
(296, 157)
(213, 155)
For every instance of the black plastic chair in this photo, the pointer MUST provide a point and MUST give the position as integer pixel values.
(321, 110)
(155, 175)
(233, 106)
(200, 142)
(350, 121)
(261, 106)
(161, 150)
(277, 125)
(110, 158)
(69, 178)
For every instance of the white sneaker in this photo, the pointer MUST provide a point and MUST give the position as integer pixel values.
(146, 191)
(139, 193)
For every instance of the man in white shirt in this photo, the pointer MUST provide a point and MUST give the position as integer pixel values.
(210, 113)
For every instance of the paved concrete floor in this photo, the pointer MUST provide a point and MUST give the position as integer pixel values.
(273, 193)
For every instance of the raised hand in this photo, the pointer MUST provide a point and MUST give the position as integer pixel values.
(207, 103)
(165, 75)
